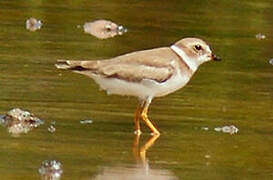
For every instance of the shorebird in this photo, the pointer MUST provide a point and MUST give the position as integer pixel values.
(146, 74)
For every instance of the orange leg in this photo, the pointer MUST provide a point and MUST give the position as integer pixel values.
(145, 118)
(136, 119)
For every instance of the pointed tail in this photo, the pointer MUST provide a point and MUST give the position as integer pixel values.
(62, 64)
(67, 64)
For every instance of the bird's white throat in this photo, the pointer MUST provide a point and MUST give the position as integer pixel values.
(190, 63)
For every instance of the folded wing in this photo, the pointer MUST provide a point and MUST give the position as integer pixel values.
(132, 67)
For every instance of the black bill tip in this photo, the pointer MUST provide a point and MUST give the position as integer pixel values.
(215, 58)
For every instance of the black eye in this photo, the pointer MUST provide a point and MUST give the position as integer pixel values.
(198, 47)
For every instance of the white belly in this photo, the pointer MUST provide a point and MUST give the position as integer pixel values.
(145, 88)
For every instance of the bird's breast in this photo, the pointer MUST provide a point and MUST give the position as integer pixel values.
(177, 81)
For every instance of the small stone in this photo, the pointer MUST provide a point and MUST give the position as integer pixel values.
(51, 169)
(218, 129)
(227, 129)
(33, 24)
(271, 61)
(260, 36)
(205, 128)
(51, 129)
(86, 121)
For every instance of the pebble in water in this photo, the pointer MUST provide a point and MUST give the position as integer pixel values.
(260, 36)
(51, 170)
(86, 121)
(103, 29)
(205, 128)
(2, 120)
(227, 129)
(19, 121)
(33, 24)
(271, 61)
(51, 129)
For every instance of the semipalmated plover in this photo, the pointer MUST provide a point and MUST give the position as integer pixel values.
(146, 74)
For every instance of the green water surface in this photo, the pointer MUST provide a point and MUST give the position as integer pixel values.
(236, 91)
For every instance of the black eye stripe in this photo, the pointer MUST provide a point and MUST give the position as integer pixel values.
(198, 47)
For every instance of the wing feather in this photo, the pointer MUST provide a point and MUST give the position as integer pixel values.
(152, 64)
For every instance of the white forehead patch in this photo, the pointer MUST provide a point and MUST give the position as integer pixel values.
(207, 48)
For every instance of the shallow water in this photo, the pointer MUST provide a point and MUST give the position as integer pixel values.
(237, 91)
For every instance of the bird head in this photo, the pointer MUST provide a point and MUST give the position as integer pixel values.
(197, 50)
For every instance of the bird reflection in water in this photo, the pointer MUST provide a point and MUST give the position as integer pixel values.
(140, 171)
(103, 29)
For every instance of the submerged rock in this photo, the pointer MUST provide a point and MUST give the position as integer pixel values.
(19, 121)
(260, 36)
(103, 29)
(227, 129)
(33, 24)
(51, 170)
